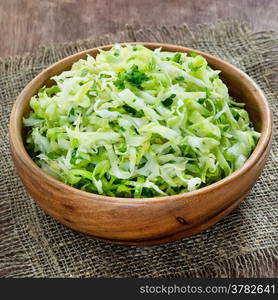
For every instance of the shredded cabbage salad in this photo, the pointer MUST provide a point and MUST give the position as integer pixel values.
(133, 122)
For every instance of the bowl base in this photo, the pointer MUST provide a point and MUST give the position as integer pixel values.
(212, 220)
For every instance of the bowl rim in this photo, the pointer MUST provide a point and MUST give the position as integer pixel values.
(16, 140)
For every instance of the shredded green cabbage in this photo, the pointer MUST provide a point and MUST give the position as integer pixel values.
(138, 123)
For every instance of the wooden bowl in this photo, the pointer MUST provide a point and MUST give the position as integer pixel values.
(152, 220)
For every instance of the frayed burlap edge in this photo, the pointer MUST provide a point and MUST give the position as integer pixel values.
(264, 42)
(252, 264)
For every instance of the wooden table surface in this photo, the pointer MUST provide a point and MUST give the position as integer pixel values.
(26, 24)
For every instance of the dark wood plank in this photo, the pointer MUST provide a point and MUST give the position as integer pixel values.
(25, 24)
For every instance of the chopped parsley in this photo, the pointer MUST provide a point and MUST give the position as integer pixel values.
(134, 76)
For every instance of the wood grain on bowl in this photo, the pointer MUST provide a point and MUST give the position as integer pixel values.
(149, 220)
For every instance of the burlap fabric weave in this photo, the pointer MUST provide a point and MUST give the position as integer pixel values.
(244, 244)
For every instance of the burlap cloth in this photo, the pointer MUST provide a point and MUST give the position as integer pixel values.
(244, 244)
